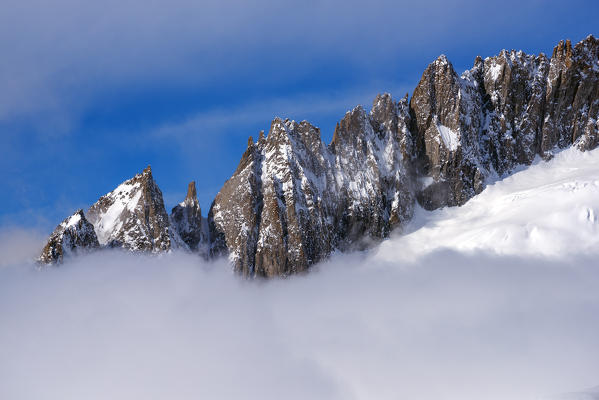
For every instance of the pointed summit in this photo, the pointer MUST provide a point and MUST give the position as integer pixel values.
(74, 235)
(186, 220)
(147, 171)
(350, 129)
(192, 197)
(562, 48)
(133, 216)
(442, 60)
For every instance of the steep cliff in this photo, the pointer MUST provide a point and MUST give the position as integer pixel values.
(293, 200)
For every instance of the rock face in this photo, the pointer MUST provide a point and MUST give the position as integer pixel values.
(293, 200)
(74, 235)
(572, 100)
(133, 216)
(186, 219)
(503, 112)
(372, 168)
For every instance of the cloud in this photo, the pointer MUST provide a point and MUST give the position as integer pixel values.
(452, 326)
(64, 58)
(304, 106)
(20, 245)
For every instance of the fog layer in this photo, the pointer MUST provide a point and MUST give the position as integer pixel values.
(112, 325)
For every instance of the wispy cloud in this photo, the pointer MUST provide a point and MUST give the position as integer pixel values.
(315, 106)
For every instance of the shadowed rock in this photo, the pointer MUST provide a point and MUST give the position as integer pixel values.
(72, 236)
(186, 220)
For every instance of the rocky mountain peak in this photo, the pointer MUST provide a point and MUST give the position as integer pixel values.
(588, 49)
(571, 102)
(187, 222)
(383, 108)
(133, 216)
(350, 129)
(146, 174)
(442, 62)
(192, 197)
(73, 235)
(293, 200)
(563, 51)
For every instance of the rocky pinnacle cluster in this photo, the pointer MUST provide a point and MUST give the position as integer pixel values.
(293, 199)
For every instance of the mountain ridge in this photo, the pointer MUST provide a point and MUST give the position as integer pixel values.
(293, 199)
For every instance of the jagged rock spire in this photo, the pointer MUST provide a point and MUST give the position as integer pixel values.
(572, 99)
(186, 220)
(192, 197)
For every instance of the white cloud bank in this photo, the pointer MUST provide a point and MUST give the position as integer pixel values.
(442, 322)
(455, 327)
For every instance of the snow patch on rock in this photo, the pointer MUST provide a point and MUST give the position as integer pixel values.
(451, 139)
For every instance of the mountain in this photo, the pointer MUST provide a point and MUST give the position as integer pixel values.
(132, 216)
(549, 210)
(186, 220)
(500, 114)
(293, 200)
(74, 234)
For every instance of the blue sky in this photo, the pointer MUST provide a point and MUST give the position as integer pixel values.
(92, 93)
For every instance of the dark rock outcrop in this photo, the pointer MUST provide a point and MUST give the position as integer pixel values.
(293, 200)
(272, 216)
(446, 121)
(502, 113)
(186, 219)
(572, 100)
(72, 236)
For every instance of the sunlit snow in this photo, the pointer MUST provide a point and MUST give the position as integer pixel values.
(547, 210)
(451, 139)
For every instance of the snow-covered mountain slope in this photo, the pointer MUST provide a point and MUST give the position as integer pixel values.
(550, 209)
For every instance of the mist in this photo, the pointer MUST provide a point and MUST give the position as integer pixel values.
(446, 326)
